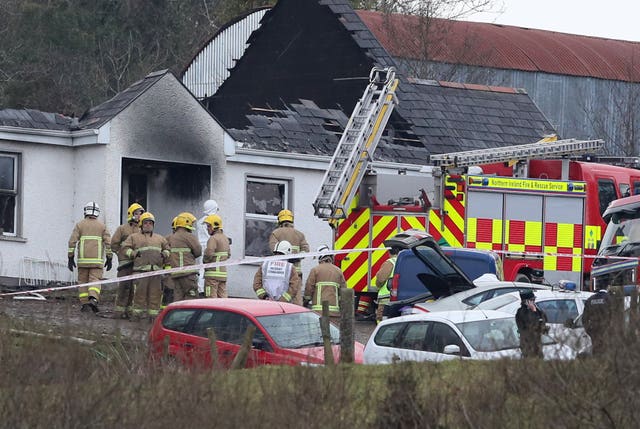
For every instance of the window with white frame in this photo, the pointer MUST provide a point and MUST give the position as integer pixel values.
(8, 193)
(264, 198)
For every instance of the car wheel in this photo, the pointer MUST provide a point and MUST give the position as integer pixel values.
(522, 278)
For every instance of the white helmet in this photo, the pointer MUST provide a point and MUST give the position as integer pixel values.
(91, 209)
(210, 207)
(282, 247)
(324, 252)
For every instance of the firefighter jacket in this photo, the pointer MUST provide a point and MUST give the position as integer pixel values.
(185, 248)
(296, 238)
(121, 234)
(324, 284)
(384, 276)
(531, 326)
(149, 251)
(217, 250)
(93, 241)
(277, 280)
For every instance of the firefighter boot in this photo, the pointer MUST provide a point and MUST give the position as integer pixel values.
(93, 304)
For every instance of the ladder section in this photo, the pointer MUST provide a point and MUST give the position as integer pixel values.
(539, 150)
(357, 144)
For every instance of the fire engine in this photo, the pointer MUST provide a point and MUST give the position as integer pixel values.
(532, 203)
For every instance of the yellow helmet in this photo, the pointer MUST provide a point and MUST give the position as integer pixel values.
(285, 216)
(132, 209)
(186, 220)
(214, 220)
(146, 216)
(173, 223)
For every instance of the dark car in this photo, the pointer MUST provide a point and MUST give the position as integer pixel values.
(424, 268)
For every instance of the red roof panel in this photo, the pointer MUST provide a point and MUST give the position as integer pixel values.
(505, 47)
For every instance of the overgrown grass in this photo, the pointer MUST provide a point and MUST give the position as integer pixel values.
(53, 383)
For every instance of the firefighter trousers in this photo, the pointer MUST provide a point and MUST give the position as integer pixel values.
(147, 296)
(214, 288)
(185, 287)
(86, 275)
(124, 296)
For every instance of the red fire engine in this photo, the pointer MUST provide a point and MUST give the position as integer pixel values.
(531, 208)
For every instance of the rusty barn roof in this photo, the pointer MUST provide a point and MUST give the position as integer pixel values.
(506, 47)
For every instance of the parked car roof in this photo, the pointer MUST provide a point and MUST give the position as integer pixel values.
(255, 307)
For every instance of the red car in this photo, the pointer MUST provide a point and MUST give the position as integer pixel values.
(286, 334)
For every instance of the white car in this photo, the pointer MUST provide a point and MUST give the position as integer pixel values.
(561, 308)
(471, 334)
(469, 298)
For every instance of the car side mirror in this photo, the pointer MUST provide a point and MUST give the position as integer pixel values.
(451, 349)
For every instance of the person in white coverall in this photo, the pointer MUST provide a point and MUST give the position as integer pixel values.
(209, 207)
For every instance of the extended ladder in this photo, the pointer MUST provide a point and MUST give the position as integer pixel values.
(357, 144)
(539, 150)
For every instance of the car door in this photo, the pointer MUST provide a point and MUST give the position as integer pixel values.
(441, 335)
(176, 326)
(230, 329)
(558, 312)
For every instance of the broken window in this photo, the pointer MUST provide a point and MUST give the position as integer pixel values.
(8, 193)
(264, 199)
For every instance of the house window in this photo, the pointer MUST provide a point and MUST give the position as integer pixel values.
(264, 199)
(8, 193)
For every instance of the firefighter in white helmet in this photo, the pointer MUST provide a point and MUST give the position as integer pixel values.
(324, 284)
(185, 248)
(150, 252)
(277, 280)
(218, 250)
(208, 208)
(287, 232)
(124, 295)
(94, 245)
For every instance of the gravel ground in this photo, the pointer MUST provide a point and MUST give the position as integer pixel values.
(61, 312)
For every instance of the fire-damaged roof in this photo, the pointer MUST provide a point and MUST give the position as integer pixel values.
(308, 64)
(34, 119)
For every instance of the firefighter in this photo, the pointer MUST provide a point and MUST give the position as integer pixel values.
(287, 232)
(383, 281)
(218, 250)
(597, 318)
(324, 283)
(94, 244)
(185, 248)
(209, 207)
(124, 295)
(150, 252)
(167, 281)
(532, 323)
(277, 280)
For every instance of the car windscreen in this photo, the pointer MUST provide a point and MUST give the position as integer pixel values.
(490, 335)
(296, 330)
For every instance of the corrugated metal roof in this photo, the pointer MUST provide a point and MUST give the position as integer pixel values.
(506, 47)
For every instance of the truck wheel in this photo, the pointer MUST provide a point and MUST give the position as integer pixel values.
(522, 278)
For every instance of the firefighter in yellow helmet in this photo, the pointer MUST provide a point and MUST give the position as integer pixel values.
(94, 244)
(124, 295)
(286, 232)
(218, 250)
(149, 252)
(185, 248)
(324, 284)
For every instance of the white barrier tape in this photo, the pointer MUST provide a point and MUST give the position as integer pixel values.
(566, 255)
(227, 263)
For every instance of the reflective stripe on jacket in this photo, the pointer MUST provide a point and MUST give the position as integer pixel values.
(185, 248)
(149, 251)
(217, 250)
(323, 284)
(93, 241)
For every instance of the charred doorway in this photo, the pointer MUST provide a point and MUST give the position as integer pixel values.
(164, 188)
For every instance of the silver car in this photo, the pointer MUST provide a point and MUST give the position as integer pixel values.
(472, 334)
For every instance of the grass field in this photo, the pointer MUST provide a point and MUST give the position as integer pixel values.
(61, 383)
